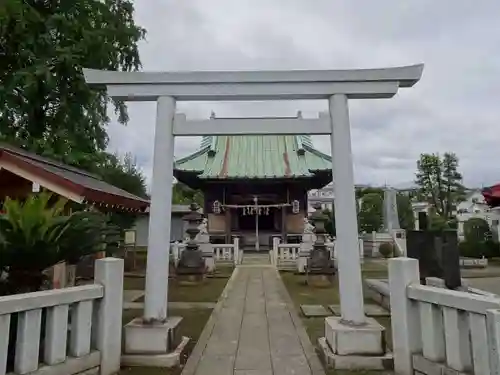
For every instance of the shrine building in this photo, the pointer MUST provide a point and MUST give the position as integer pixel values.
(255, 186)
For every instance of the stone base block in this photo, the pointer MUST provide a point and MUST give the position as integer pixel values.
(354, 362)
(154, 338)
(171, 359)
(320, 280)
(302, 263)
(365, 340)
(209, 263)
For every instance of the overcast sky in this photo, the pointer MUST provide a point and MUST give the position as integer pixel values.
(453, 108)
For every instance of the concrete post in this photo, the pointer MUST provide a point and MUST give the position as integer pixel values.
(155, 300)
(349, 268)
(109, 273)
(405, 319)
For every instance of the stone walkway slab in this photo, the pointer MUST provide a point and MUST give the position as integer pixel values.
(370, 310)
(311, 311)
(132, 295)
(254, 329)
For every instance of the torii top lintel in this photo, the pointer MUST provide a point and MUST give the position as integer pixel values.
(255, 85)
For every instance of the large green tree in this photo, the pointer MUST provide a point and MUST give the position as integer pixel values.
(46, 106)
(405, 212)
(440, 183)
(183, 194)
(371, 212)
(124, 173)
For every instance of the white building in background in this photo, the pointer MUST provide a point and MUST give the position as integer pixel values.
(324, 196)
(474, 206)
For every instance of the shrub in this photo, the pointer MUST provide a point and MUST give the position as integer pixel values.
(476, 230)
(386, 249)
(36, 234)
(488, 249)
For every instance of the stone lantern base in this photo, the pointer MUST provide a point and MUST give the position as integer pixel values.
(190, 276)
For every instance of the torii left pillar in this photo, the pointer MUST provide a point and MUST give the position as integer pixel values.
(155, 331)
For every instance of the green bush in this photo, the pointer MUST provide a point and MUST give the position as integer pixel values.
(487, 249)
(476, 230)
(36, 235)
(386, 249)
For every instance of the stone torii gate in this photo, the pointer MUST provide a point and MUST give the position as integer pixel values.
(336, 86)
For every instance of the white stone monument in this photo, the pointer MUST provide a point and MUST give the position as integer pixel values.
(203, 239)
(306, 245)
(351, 334)
(391, 222)
(391, 219)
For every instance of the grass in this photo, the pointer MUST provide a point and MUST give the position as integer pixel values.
(193, 321)
(192, 325)
(315, 327)
(209, 291)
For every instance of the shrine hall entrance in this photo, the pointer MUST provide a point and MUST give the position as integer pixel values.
(269, 222)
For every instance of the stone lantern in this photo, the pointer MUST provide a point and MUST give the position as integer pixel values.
(191, 266)
(320, 267)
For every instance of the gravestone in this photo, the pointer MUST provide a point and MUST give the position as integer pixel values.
(191, 266)
(320, 267)
(438, 255)
(391, 219)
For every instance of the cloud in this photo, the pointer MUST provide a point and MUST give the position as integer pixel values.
(453, 108)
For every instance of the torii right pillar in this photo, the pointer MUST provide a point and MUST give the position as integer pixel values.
(352, 341)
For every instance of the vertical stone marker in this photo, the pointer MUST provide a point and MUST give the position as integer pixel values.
(391, 219)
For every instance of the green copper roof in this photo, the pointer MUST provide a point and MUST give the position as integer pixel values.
(255, 156)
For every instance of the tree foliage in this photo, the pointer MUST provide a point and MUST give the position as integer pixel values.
(405, 211)
(183, 194)
(371, 213)
(47, 107)
(440, 183)
(123, 173)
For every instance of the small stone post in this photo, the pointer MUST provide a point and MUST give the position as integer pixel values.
(405, 319)
(109, 273)
(191, 265)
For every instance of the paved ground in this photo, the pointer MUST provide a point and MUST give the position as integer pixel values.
(254, 331)
(489, 284)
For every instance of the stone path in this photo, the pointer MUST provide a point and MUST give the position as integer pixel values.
(254, 330)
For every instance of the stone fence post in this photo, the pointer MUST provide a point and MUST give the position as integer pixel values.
(109, 273)
(405, 318)
(236, 243)
(274, 258)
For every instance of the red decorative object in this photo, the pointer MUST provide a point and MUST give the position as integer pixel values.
(492, 195)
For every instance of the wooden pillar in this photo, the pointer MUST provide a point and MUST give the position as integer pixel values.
(227, 214)
(283, 224)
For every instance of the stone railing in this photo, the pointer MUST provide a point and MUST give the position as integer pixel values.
(284, 255)
(65, 331)
(436, 330)
(221, 253)
(292, 256)
(227, 253)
